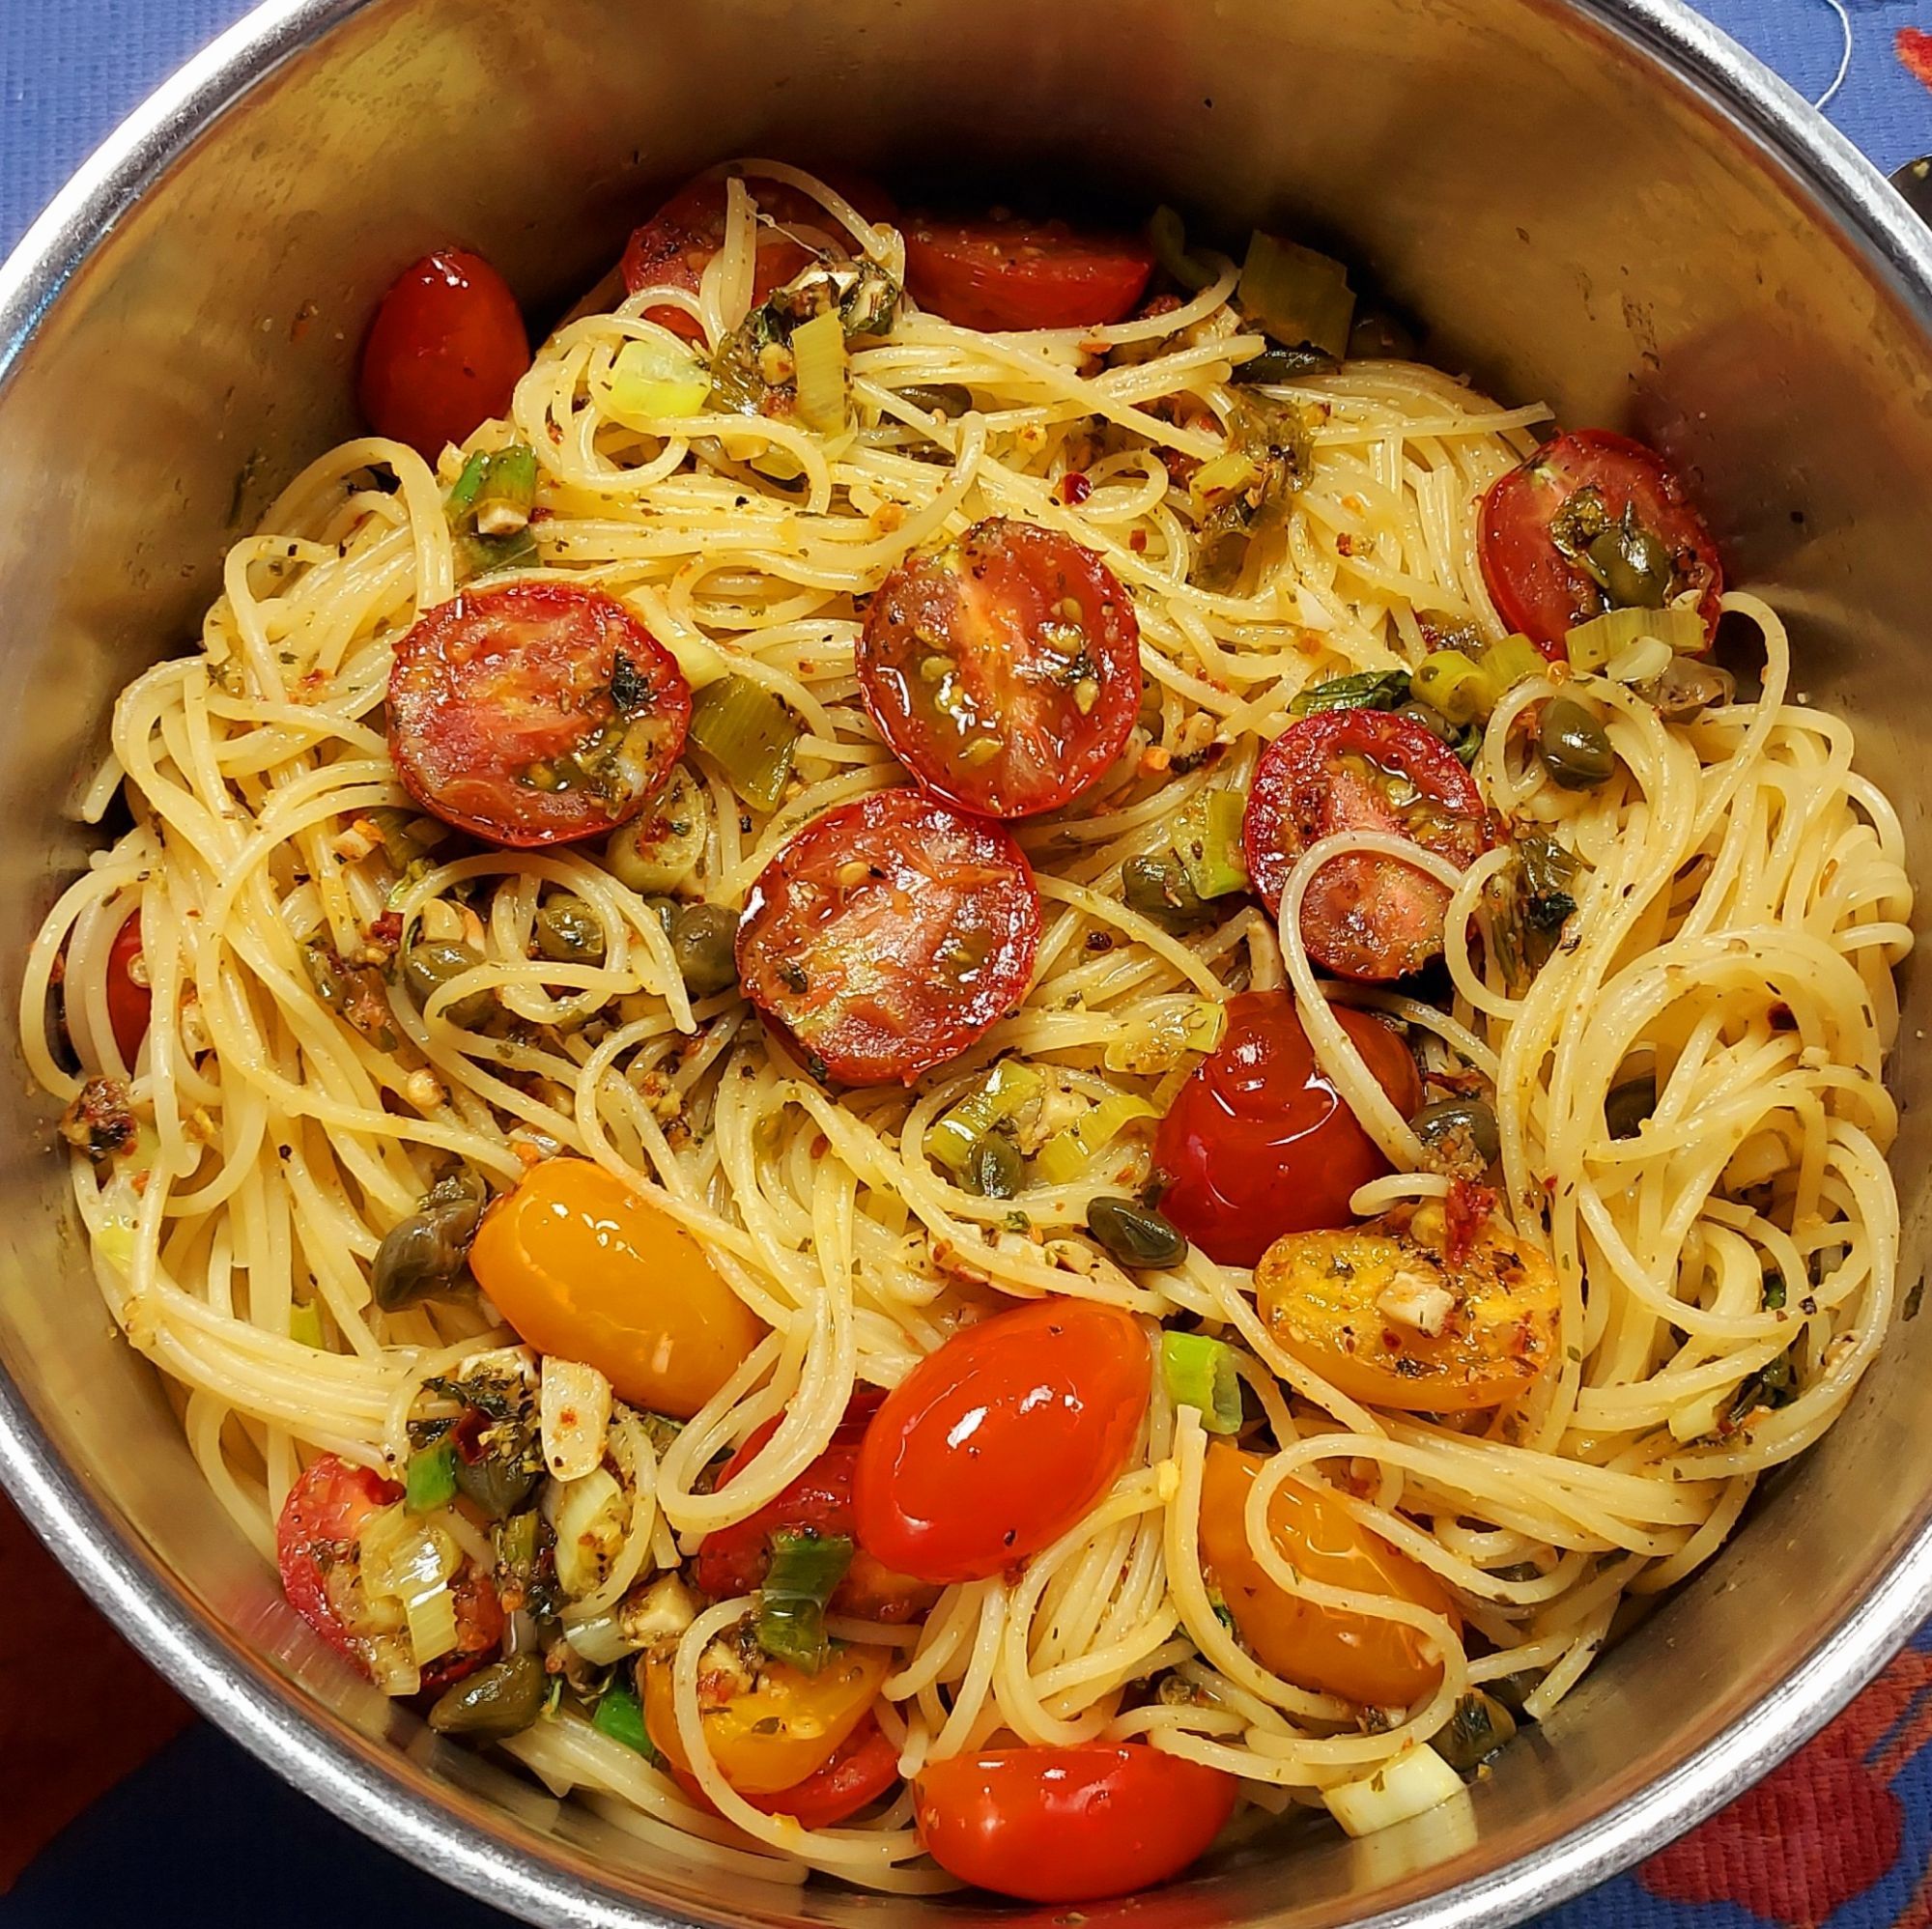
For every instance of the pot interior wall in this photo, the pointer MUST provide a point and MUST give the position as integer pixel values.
(1569, 224)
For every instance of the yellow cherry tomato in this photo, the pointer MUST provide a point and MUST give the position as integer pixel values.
(770, 1731)
(1380, 1312)
(1354, 1655)
(586, 1269)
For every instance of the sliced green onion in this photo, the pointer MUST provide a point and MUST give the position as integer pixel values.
(1208, 841)
(1161, 1042)
(463, 491)
(1455, 685)
(1200, 1373)
(805, 1567)
(619, 1716)
(509, 491)
(751, 736)
(1222, 476)
(1298, 296)
(818, 360)
(1591, 645)
(305, 1325)
(950, 1138)
(1065, 1155)
(430, 1479)
(1167, 236)
(1365, 689)
(651, 380)
(1513, 661)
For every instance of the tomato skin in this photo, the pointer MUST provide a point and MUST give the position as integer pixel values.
(999, 1442)
(1070, 1824)
(1539, 590)
(1002, 272)
(129, 1003)
(888, 935)
(1362, 917)
(1326, 1650)
(1258, 1143)
(860, 1770)
(498, 683)
(444, 352)
(993, 607)
(585, 1269)
(732, 1560)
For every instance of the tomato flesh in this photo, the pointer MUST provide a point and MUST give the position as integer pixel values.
(1004, 272)
(888, 935)
(1363, 917)
(1070, 1824)
(1259, 1143)
(1004, 670)
(129, 1001)
(444, 352)
(1546, 594)
(999, 1442)
(536, 713)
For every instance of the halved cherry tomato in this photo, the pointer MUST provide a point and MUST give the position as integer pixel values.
(888, 934)
(1070, 1824)
(585, 1269)
(534, 714)
(317, 1549)
(862, 1768)
(673, 248)
(1545, 593)
(1326, 1650)
(996, 1444)
(1380, 1311)
(769, 1734)
(129, 1001)
(1363, 770)
(444, 352)
(1002, 670)
(1002, 271)
(1258, 1143)
(732, 1560)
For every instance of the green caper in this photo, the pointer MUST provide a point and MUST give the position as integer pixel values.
(1377, 335)
(665, 909)
(429, 965)
(426, 1253)
(1477, 1727)
(497, 1485)
(1573, 747)
(503, 1699)
(1160, 890)
(704, 939)
(1512, 1690)
(570, 932)
(1279, 365)
(1632, 565)
(1685, 688)
(1459, 1128)
(1629, 1104)
(992, 1167)
(1433, 722)
(944, 397)
(1135, 1235)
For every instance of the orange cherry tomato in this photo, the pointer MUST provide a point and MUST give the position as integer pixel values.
(1004, 272)
(860, 1770)
(1070, 1824)
(996, 1444)
(1380, 1311)
(129, 1001)
(771, 1734)
(444, 352)
(1381, 1662)
(585, 1269)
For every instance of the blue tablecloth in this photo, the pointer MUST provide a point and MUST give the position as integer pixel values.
(1843, 1839)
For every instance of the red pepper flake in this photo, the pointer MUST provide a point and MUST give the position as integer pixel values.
(1913, 47)
(1074, 487)
(1469, 1207)
(1137, 540)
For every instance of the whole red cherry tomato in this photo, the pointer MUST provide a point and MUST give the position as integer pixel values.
(444, 352)
(999, 1442)
(1070, 1824)
(1258, 1143)
(1002, 271)
(129, 1001)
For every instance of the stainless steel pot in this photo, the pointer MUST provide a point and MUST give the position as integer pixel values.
(1600, 202)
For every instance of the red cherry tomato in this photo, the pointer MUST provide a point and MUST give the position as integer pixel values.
(673, 248)
(1258, 1143)
(732, 1560)
(1003, 272)
(444, 352)
(316, 1544)
(129, 1001)
(996, 1444)
(1070, 1824)
(1363, 770)
(861, 1769)
(1004, 669)
(1543, 593)
(885, 936)
(534, 714)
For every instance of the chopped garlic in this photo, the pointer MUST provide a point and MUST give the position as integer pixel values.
(575, 1410)
(656, 1614)
(1415, 1300)
(1414, 1782)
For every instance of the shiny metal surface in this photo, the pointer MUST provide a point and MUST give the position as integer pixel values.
(1602, 202)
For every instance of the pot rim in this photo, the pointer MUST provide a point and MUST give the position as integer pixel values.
(236, 1693)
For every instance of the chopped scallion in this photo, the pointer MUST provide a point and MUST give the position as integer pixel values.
(463, 491)
(1167, 236)
(508, 491)
(1064, 1156)
(818, 356)
(805, 1567)
(951, 1139)
(429, 1482)
(305, 1325)
(1200, 1373)
(619, 1716)
(1298, 297)
(1591, 645)
(651, 380)
(1513, 661)
(1208, 841)
(1455, 686)
(750, 734)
